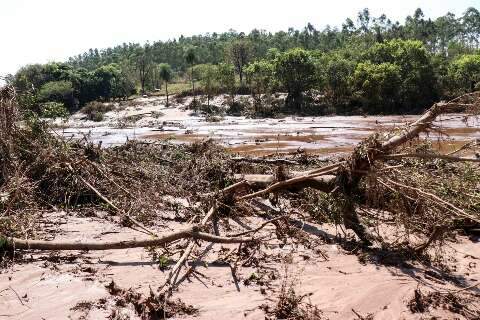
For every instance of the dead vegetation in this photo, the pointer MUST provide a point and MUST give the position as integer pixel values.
(459, 302)
(151, 307)
(290, 304)
(398, 195)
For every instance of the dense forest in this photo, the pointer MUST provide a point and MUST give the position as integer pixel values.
(369, 65)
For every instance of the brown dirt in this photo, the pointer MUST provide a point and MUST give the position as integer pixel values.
(51, 286)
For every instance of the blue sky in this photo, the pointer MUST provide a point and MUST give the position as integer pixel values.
(38, 31)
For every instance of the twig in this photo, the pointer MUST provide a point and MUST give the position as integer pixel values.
(263, 225)
(430, 156)
(431, 195)
(101, 196)
(18, 296)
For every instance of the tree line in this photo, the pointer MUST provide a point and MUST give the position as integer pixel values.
(370, 64)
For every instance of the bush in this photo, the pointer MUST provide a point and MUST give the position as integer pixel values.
(95, 110)
(59, 91)
(53, 110)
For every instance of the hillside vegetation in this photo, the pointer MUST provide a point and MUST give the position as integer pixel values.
(369, 65)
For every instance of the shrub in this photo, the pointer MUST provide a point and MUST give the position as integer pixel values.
(59, 91)
(54, 110)
(95, 110)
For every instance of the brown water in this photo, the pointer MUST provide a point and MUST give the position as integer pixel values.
(316, 135)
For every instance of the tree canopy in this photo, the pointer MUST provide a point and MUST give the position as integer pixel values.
(353, 66)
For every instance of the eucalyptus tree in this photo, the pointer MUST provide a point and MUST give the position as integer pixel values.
(143, 64)
(240, 53)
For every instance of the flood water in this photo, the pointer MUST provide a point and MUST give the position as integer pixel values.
(316, 135)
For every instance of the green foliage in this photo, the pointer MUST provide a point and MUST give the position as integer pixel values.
(208, 76)
(260, 76)
(338, 74)
(417, 89)
(54, 110)
(105, 79)
(165, 72)
(226, 77)
(58, 91)
(295, 70)
(436, 59)
(190, 55)
(377, 85)
(465, 72)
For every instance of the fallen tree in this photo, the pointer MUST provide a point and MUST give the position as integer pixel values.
(393, 178)
(190, 233)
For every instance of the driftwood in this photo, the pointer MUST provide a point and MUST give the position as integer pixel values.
(189, 233)
(265, 160)
(430, 156)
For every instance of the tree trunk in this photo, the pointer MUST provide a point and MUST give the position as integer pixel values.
(166, 90)
(193, 88)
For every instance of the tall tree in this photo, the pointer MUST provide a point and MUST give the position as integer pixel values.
(208, 75)
(295, 69)
(191, 59)
(144, 65)
(240, 52)
(226, 78)
(165, 73)
(471, 27)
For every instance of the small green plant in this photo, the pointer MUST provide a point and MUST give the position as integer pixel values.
(162, 262)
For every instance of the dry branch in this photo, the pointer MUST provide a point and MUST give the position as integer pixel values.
(189, 233)
(430, 156)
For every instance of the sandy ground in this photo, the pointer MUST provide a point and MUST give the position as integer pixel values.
(149, 119)
(56, 285)
(49, 286)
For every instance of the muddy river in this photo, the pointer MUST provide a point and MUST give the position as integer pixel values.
(317, 135)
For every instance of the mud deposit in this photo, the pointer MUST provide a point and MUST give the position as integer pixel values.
(317, 135)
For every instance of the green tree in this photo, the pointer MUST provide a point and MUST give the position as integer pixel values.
(295, 70)
(208, 75)
(57, 91)
(239, 53)
(144, 65)
(465, 72)
(377, 85)
(106, 78)
(226, 78)
(418, 87)
(471, 27)
(338, 74)
(166, 74)
(191, 59)
(260, 77)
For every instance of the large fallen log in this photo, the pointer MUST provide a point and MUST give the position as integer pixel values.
(323, 183)
(189, 233)
(345, 177)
